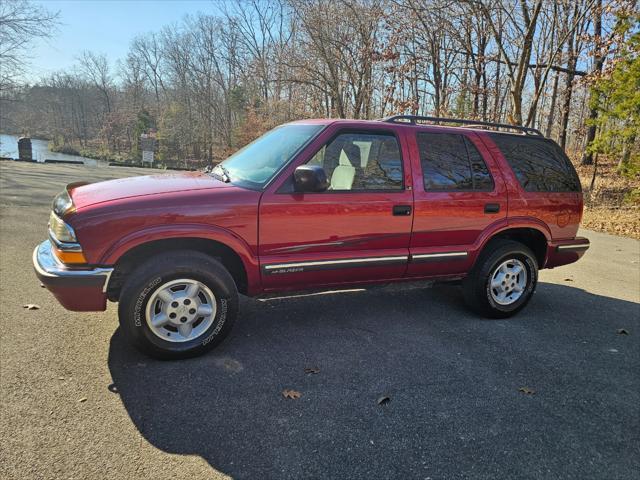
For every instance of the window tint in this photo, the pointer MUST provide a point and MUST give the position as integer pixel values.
(451, 162)
(482, 179)
(361, 161)
(539, 164)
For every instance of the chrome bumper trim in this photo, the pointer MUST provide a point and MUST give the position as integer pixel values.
(48, 266)
(573, 247)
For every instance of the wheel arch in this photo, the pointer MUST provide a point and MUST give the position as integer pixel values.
(231, 251)
(535, 238)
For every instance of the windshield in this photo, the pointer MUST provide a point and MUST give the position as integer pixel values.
(254, 165)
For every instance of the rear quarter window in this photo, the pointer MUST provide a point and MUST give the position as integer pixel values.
(450, 162)
(539, 164)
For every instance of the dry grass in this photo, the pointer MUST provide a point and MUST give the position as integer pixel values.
(613, 206)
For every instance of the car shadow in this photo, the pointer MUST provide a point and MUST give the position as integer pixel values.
(549, 393)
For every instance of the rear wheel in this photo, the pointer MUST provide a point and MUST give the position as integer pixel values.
(177, 305)
(503, 279)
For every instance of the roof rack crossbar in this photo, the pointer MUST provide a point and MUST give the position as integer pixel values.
(414, 119)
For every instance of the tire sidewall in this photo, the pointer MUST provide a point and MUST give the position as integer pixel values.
(134, 315)
(532, 280)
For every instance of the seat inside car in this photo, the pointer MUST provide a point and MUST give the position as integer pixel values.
(344, 174)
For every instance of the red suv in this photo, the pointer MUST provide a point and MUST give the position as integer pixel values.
(316, 204)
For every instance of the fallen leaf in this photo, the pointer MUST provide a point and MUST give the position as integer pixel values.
(383, 400)
(527, 390)
(31, 306)
(311, 370)
(568, 279)
(83, 399)
(291, 394)
(622, 331)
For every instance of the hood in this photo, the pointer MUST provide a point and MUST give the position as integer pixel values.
(94, 193)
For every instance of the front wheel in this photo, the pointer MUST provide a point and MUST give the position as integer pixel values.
(503, 279)
(177, 305)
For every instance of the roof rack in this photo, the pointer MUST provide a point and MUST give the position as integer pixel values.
(414, 119)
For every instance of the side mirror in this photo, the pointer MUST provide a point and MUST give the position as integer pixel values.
(310, 178)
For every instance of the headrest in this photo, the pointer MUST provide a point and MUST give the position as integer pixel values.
(352, 155)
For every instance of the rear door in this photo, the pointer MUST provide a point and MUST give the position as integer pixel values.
(459, 193)
(357, 231)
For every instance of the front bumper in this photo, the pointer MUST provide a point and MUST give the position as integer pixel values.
(79, 290)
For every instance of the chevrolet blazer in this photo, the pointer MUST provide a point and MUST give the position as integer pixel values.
(316, 204)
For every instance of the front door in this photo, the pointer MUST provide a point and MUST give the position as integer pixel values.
(356, 231)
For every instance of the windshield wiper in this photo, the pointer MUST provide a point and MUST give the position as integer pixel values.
(222, 172)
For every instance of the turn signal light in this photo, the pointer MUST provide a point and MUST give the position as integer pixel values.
(69, 257)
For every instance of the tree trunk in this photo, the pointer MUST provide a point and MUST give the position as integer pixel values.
(568, 91)
(587, 158)
(518, 83)
(552, 107)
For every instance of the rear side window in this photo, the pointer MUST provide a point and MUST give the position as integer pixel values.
(450, 162)
(539, 164)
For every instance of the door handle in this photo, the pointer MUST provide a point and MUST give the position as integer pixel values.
(491, 208)
(402, 210)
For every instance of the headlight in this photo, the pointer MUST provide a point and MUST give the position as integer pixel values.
(62, 204)
(60, 230)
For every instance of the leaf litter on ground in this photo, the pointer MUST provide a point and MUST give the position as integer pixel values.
(291, 394)
(527, 390)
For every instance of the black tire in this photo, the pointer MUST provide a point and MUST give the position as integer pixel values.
(476, 286)
(156, 272)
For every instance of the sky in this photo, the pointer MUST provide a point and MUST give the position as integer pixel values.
(103, 26)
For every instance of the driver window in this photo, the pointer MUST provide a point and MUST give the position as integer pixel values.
(361, 161)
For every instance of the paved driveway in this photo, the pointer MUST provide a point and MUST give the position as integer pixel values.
(77, 402)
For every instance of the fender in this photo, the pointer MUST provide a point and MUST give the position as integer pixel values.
(209, 232)
(530, 222)
(509, 223)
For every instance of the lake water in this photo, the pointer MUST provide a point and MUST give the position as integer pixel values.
(40, 151)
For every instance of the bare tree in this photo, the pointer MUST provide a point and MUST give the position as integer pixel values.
(587, 158)
(211, 82)
(21, 22)
(96, 68)
(147, 52)
(336, 59)
(522, 29)
(574, 45)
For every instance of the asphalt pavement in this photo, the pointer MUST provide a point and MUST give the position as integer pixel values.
(552, 393)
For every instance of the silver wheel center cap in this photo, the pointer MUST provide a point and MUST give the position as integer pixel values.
(181, 310)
